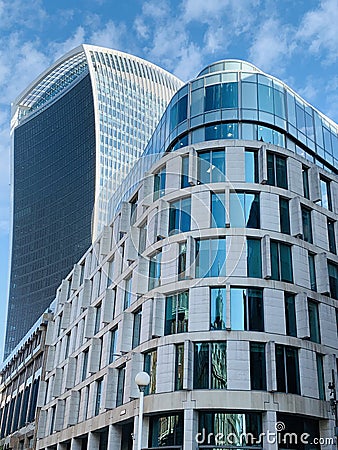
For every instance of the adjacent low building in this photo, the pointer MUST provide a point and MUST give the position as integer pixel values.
(21, 374)
(218, 275)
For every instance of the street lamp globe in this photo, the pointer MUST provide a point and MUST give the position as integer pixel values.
(142, 379)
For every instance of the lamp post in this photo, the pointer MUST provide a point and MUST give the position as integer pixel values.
(142, 380)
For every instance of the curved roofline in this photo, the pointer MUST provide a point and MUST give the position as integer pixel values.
(256, 69)
(85, 48)
(136, 58)
(46, 72)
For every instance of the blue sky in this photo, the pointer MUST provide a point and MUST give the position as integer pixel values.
(297, 41)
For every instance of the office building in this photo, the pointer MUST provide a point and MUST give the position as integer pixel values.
(76, 132)
(20, 376)
(217, 275)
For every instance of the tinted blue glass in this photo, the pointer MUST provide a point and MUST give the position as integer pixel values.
(197, 102)
(204, 167)
(218, 210)
(249, 95)
(279, 103)
(237, 210)
(43, 200)
(218, 166)
(217, 309)
(265, 98)
(300, 118)
(251, 166)
(213, 132)
(237, 301)
(182, 109)
(212, 97)
(254, 258)
(327, 140)
(229, 95)
(229, 131)
(185, 214)
(217, 257)
(265, 134)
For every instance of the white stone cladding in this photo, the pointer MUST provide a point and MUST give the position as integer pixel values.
(74, 391)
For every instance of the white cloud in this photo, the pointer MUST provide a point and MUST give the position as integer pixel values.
(319, 30)
(15, 14)
(271, 49)
(110, 35)
(57, 49)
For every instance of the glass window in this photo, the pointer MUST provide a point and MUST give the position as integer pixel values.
(212, 97)
(210, 365)
(133, 208)
(229, 94)
(98, 396)
(265, 98)
(210, 258)
(127, 293)
(257, 366)
(331, 235)
(254, 258)
(287, 368)
(233, 426)
(179, 367)
(143, 238)
(307, 225)
(179, 216)
(185, 172)
(333, 279)
(137, 328)
(244, 210)
(249, 95)
(150, 366)
(312, 272)
(218, 210)
(178, 112)
(120, 385)
(290, 314)
(217, 308)
(246, 309)
(154, 271)
(182, 260)
(305, 177)
(314, 321)
(113, 343)
(165, 431)
(85, 364)
(159, 183)
(281, 262)
(277, 172)
(197, 102)
(176, 313)
(326, 200)
(211, 166)
(284, 215)
(97, 318)
(320, 376)
(251, 166)
(110, 277)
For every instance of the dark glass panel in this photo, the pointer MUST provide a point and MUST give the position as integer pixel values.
(254, 258)
(284, 215)
(257, 366)
(290, 315)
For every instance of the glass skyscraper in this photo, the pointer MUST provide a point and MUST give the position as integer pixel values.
(76, 132)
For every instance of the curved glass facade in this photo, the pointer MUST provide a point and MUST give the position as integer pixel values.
(71, 151)
(235, 100)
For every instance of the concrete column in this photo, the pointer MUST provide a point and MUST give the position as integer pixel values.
(93, 441)
(270, 441)
(190, 429)
(76, 444)
(326, 431)
(114, 438)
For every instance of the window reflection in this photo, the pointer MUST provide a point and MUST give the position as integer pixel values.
(217, 309)
(210, 258)
(244, 210)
